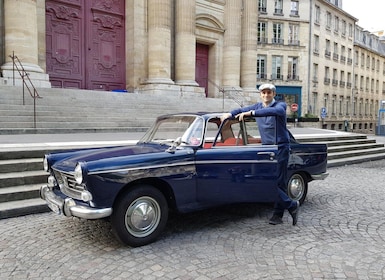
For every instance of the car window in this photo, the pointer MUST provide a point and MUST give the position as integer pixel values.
(168, 129)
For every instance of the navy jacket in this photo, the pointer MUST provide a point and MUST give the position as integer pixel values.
(267, 124)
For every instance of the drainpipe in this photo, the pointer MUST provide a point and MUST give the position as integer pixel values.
(310, 56)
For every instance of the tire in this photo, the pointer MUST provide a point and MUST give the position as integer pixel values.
(297, 187)
(139, 216)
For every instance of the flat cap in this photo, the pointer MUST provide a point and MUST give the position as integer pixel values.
(267, 86)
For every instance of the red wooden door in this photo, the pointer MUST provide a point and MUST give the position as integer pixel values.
(202, 66)
(85, 44)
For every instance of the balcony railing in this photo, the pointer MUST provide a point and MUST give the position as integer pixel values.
(276, 76)
(261, 76)
(293, 42)
(277, 41)
(293, 77)
(262, 40)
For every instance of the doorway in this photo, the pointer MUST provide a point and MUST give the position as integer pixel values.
(202, 66)
(85, 44)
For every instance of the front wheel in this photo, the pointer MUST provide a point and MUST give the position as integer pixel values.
(297, 187)
(139, 216)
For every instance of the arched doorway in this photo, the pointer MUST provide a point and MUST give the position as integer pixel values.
(85, 44)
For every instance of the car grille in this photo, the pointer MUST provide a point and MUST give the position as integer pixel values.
(68, 185)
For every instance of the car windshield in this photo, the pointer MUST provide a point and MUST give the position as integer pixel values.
(166, 130)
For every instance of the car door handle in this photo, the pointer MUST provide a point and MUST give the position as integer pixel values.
(270, 154)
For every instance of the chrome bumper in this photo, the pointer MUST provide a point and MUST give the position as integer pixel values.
(69, 208)
(320, 176)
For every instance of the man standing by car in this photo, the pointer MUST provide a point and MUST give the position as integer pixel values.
(272, 130)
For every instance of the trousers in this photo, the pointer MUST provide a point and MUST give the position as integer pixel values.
(283, 201)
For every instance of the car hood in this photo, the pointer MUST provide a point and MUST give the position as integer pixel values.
(113, 158)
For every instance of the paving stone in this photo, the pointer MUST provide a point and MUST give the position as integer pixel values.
(340, 235)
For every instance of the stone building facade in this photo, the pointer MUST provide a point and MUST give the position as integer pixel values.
(311, 50)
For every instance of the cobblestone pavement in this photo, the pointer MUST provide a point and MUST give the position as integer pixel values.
(340, 235)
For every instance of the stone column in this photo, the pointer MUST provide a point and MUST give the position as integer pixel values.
(21, 38)
(185, 43)
(249, 46)
(159, 42)
(232, 45)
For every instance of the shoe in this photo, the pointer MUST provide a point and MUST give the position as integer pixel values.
(275, 220)
(294, 213)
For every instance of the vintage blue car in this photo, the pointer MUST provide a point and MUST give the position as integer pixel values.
(184, 162)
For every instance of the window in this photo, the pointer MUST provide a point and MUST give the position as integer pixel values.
(362, 60)
(294, 8)
(277, 33)
(292, 68)
(262, 33)
(327, 50)
(350, 60)
(317, 14)
(335, 51)
(293, 34)
(278, 7)
(277, 68)
(327, 75)
(335, 77)
(336, 24)
(349, 80)
(328, 20)
(343, 28)
(350, 30)
(342, 79)
(347, 106)
(262, 6)
(315, 72)
(316, 44)
(343, 54)
(261, 67)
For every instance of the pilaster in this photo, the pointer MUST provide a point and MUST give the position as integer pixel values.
(249, 46)
(159, 42)
(21, 39)
(232, 44)
(185, 44)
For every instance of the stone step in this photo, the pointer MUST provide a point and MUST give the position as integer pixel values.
(350, 147)
(21, 192)
(353, 159)
(20, 165)
(22, 207)
(22, 178)
(356, 153)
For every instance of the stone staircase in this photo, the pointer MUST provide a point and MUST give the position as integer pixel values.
(71, 110)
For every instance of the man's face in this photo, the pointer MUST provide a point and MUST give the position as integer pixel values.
(267, 96)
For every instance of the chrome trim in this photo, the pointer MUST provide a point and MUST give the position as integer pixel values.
(321, 176)
(69, 208)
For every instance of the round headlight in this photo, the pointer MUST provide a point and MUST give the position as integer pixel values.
(45, 163)
(78, 174)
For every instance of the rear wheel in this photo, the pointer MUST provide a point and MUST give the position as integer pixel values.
(297, 187)
(139, 216)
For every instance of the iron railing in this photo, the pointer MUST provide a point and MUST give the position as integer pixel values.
(27, 83)
(232, 93)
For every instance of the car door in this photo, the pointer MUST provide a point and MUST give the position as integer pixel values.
(239, 171)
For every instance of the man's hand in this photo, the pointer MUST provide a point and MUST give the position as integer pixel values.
(241, 116)
(225, 116)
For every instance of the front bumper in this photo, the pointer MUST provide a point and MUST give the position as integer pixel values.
(69, 208)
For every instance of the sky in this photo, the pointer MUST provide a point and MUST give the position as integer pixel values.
(370, 13)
